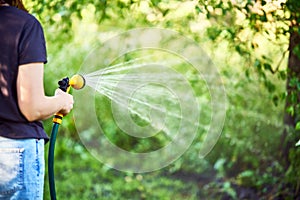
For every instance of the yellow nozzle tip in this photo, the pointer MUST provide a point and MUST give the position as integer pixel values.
(77, 81)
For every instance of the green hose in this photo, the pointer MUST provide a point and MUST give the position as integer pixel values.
(51, 161)
(57, 119)
(77, 82)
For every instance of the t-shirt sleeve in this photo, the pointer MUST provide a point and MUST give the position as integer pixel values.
(32, 45)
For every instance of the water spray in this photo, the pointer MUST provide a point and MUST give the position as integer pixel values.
(77, 82)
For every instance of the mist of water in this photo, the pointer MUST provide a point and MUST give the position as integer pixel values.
(144, 88)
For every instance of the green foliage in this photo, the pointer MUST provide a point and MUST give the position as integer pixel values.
(297, 128)
(80, 176)
(293, 172)
(229, 190)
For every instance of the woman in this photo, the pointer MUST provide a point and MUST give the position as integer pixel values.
(23, 103)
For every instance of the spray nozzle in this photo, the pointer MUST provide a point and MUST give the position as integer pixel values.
(77, 82)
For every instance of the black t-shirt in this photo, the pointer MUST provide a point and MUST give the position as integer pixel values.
(21, 42)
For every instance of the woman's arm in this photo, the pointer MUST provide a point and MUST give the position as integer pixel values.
(33, 103)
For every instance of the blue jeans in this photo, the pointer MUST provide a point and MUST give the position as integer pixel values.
(22, 169)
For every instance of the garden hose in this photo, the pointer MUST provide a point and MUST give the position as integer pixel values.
(77, 82)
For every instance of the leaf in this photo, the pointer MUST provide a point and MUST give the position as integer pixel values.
(290, 110)
(298, 143)
(155, 2)
(219, 165)
(270, 86)
(282, 75)
(296, 51)
(257, 64)
(275, 100)
(263, 17)
(298, 86)
(229, 190)
(293, 82)
(198, 9)
(213, 33)
(247, 73)
(267, 66)
(297, 126)
(247, 173)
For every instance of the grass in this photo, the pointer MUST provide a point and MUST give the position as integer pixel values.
(78, 175)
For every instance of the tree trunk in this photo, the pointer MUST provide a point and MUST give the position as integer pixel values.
(293, 73)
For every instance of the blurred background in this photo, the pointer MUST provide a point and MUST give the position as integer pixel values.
(255, 44)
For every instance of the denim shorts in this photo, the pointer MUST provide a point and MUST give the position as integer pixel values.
(22, 169)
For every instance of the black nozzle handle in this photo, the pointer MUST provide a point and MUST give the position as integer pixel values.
(64, 84)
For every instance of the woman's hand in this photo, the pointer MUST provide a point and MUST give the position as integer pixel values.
(67, 99)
